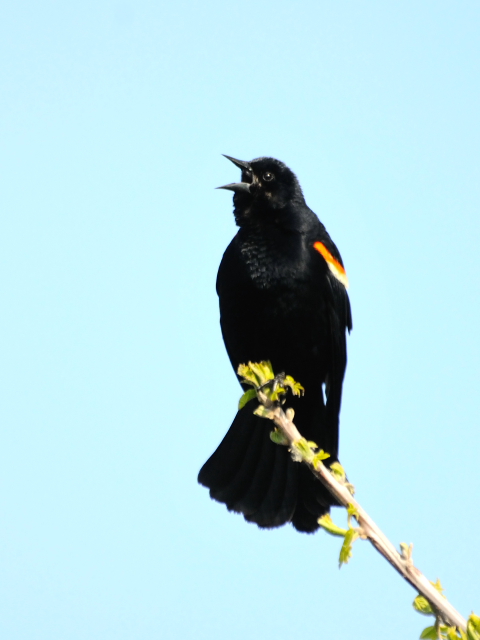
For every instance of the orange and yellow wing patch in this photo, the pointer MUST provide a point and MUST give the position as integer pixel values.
(334, 265)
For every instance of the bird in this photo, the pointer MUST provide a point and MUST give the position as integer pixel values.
(282, 289)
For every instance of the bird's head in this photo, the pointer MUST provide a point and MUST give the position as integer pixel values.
(267, 189)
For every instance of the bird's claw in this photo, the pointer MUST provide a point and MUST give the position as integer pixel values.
(273, 385)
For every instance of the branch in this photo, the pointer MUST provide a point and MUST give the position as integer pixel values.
(269, 391)
(369, 529)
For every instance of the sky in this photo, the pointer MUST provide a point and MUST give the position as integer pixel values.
(115, 385)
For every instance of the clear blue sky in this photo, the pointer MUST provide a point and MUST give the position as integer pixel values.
(113, 118)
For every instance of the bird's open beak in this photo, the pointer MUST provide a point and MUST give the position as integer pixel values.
(238, 186)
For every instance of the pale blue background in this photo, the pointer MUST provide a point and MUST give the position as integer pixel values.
(113, 117)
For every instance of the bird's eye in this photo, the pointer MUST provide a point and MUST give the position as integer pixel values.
(268, 177)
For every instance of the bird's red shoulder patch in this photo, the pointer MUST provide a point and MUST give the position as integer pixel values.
(334, 265)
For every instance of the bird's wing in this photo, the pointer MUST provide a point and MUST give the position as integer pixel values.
(335, 286)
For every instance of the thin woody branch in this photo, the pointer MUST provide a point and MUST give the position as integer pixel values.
(401, 562)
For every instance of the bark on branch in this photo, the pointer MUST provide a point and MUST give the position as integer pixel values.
(401, 562)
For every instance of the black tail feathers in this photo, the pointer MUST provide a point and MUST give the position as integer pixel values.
(254, 476)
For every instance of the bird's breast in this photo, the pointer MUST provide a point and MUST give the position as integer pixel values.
(276, 260)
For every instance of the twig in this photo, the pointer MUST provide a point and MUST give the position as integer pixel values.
(401, 562)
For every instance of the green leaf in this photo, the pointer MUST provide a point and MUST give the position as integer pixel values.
(303, 449)
(338, 471)
(438, 586)
(263, 412)
(327, 523)
(352, 511)
(473, 627)
(451, 632)
(430, 633)
(294, 386)
(262, 370)
(346, 550)
(274, 395)
(422, 605)
(319, 457)
(256, 373)
(406, 550)
(250, 394)
(246, 373)
(277, 437)
(475, 620)
(350, 487)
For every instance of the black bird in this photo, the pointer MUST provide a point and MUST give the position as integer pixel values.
(282, 290)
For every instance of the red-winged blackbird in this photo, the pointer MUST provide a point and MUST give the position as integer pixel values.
(282, 290)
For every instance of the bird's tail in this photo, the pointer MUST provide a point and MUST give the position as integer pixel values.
(254, 476)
